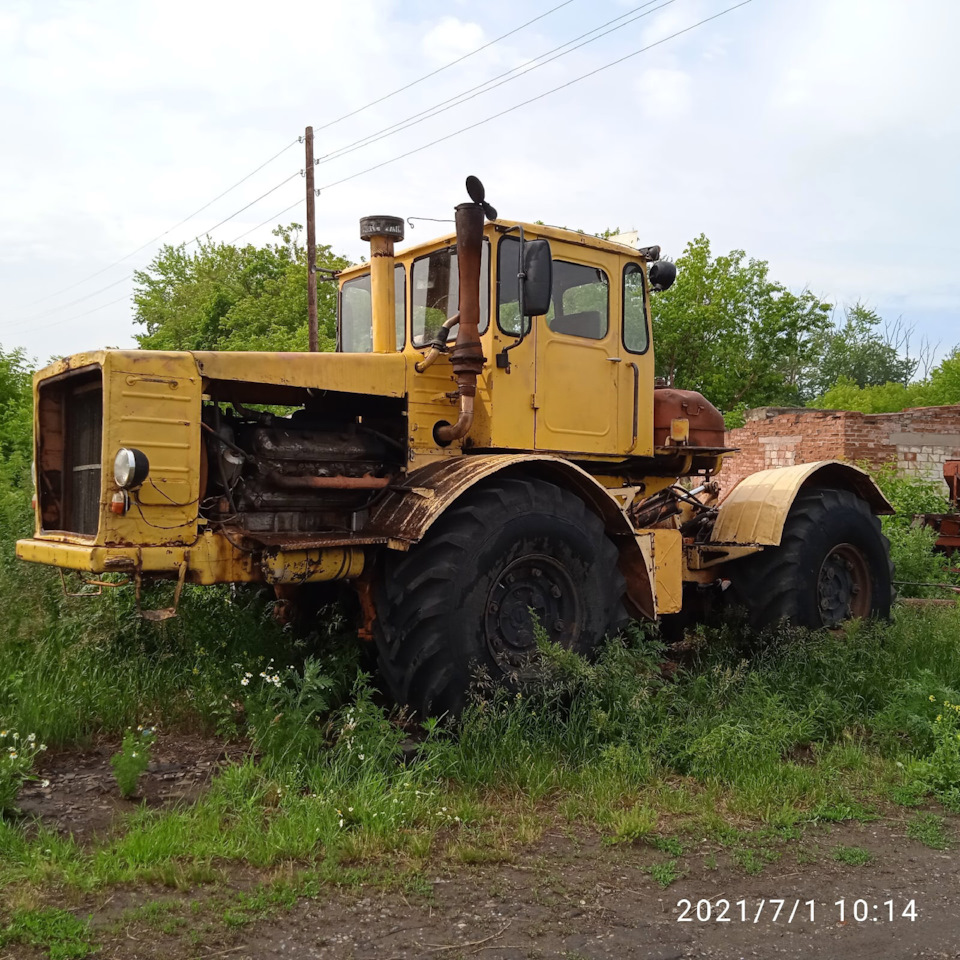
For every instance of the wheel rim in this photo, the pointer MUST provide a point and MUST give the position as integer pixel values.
(844, 587)
(537, 583)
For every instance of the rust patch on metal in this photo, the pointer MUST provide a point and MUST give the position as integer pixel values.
(366, 482)
(368, 610)
(406, 515)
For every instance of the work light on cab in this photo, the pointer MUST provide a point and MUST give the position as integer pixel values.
(130, 468)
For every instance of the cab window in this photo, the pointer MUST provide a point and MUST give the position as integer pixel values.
(356, 313)
(508, 289)
(580, 306)
(636, 336)
(435, 293)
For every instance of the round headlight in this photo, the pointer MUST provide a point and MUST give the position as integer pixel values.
(130, 468)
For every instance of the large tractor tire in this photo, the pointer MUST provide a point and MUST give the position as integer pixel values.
(458, 604)
(833, 564)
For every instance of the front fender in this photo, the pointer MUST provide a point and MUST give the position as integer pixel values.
(404, 516)
(756, 509)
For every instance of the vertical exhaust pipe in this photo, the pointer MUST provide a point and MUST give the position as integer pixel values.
(467, 357)
(382, 233)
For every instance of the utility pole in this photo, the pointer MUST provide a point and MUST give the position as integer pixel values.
(311, 244)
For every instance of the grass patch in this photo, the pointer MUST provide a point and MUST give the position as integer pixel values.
(930, 830)
(62, 935)
(755, 860)
(852, 856)
(665, 873)
(741, 744)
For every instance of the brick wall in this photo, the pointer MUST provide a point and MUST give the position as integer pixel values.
(918, 440)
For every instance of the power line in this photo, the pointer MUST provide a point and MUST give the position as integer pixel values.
(196, 239)
(451, 135)
(279, 153)
(502, 113)
(541, 96)
(433, 73)
(466, 95)
(159, 236)
(296, 203)
(80, 316)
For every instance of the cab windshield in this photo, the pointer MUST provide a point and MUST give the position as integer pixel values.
(356, 313)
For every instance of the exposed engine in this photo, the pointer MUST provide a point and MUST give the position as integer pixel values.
(302, 473)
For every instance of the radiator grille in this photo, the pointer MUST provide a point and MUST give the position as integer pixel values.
(83, 457)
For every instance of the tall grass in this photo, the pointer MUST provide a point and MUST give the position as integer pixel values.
(808, 726)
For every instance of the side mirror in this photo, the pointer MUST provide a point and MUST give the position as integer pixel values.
(538, 277)
(662, 274)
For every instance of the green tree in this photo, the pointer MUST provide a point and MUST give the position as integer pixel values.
(856, 351)
(16, 406)
(941, 387)
(726, 329)
(222, 297)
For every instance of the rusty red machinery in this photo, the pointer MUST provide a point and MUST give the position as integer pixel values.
(947, 525)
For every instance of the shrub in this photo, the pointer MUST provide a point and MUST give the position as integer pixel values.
(133, 759)
(17, 757)
(912, 546)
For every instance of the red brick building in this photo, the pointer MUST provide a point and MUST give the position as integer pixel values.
(917, 440)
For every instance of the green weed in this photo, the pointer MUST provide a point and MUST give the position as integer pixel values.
(17, 756)
(930, 830)
(853, 856)
(634, 824)
(133, 758)
(60, 933)
(665, 873)
(755, 860)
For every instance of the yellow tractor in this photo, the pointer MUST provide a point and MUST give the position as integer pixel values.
(487, 449)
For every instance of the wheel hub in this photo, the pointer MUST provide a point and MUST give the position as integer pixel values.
(844, 588)
(530, 589)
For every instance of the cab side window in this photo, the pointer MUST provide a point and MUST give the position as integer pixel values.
(636, 337)
(356, 312)
(435, 282)
(581, 301)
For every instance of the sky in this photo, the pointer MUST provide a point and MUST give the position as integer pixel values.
(822, 136)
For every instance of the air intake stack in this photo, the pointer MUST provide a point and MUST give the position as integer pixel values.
(382, 232)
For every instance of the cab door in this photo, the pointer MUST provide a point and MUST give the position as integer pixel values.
(578, 358)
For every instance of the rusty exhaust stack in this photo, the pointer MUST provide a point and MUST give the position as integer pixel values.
(467, 357)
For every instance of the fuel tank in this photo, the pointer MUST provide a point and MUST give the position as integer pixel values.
(706, 421)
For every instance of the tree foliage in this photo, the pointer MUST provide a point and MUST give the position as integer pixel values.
(726, 329)
(16, 406)
(855, 350)
(222, 297)
(942, 386)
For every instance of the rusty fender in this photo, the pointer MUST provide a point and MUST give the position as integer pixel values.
(406, 514)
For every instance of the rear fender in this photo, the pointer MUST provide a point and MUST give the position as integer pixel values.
(755, 511)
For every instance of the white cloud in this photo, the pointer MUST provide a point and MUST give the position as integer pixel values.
(664, 93)
(820, 136)
(451, 38)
